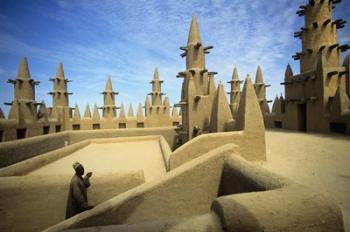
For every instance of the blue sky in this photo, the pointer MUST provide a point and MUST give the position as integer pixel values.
(128, 39)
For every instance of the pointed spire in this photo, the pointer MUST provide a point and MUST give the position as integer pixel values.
(156, 74)
(87, 113)
(288, 73)
(131, 111)
(139, 115)
(221, 113)
(60, 72)
(259, 76)
(249, 103)
(250, 120)
(23, 70)
(95, 114)
(109, 87)
(276, 105)
(122, 112)
(194, 36)
(235, 74)
(76, 114)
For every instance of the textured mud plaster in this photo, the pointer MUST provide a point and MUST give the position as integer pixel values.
(15, 151)
(186, 191)
(203, 223)
(250, 139)
(276, 204)
(28, 165)
(33, 203)
(251, 199)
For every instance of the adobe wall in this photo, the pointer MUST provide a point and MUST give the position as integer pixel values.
(197, 223)
(25, 166)
(15, 151)
(167, 132)
(249, 148)
(186, 191)
(33, 203)
(250, 199)
(268, 202)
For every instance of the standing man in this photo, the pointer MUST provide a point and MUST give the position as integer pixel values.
(77, 197)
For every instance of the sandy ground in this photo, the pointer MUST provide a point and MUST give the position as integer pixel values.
(112, 157)
(321, 162)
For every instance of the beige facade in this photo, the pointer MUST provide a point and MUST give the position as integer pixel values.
(28, 118)
(317, 99)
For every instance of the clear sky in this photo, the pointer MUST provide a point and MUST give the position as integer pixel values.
(127, 39)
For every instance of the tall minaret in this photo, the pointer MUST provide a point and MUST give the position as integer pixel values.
(60, 93)
(156, 89)
(235, 92)
(198, 88)
(109, 108)
(24, 99)
(260, 90)
(318, 35)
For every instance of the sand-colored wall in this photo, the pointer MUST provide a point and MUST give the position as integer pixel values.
(28, 165)
(250, 199)
(186, 191)
(167, 132)
(202, 223)
(247, 147)
(33, 203)
(269, 202)
(16, 151)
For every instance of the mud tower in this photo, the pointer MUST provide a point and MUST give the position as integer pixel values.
(198, 87)
(157, 110)
(235, 92)
(23, 111)
(260, 90)
(109, 108)
(60, 100)
(317, 99)
(23, 107)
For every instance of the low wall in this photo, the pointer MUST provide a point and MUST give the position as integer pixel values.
(257, 200)
(168, 133)
(203, 223)
(250, 199)
(19, 150)
(33, 203)
(206, 142)
(28, 165)
(186, 191)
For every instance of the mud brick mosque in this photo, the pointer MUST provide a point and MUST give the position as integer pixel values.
(197, 172)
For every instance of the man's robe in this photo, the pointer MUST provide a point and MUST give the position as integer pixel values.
(77, 201)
